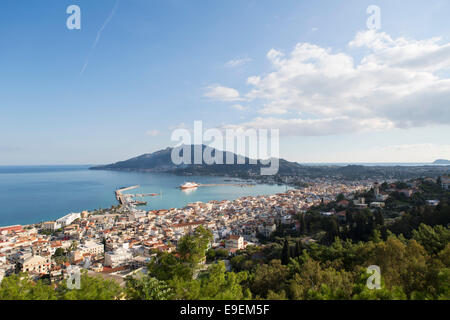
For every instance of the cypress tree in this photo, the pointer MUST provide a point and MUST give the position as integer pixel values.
(298, 248)
(379, 219)
(285, 254)
(303, 230)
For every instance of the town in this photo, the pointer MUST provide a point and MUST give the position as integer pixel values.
(121, 241)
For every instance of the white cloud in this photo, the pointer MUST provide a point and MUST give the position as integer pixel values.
(314, 127)
(153, 133)
(424, 55)
(238, 107)
(237, 62)
(395, 85)
(181, 125)
(221, 93)
(424, 152)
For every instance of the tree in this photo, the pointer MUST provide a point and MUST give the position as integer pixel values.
(60, 255)
(314, 282)
(192, 247)
(93, 288)
(215, 284)
(332, 230)
(298, 248)
(303, 229)
(271, 276)
(147, 288)
(73, 246)
(379, 219)
(166, 266)
(362, 292)
(285, 253)
(433, 239)
(21, 287)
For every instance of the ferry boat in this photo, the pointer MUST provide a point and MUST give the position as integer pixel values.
(189, 185)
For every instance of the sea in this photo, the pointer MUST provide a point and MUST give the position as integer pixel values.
(33, 194)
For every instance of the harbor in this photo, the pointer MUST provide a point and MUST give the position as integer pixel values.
(242, 185)
(129, 200)
(79, 188)
(123, 198)
(192, 185)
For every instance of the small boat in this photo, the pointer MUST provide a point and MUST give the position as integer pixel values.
(189, 185)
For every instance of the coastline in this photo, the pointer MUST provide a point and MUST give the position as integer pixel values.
(36, 197)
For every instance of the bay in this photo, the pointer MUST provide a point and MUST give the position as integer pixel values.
(32, 194)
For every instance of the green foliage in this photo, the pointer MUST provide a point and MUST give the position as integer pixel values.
(316, 283)
(21, 287)
(192, 247)
(147, 288)
(167, 266)
(433, 239)
(216, 284)
(213, 254)
(93, 288)
(303, 229)
(285, 253)
(267, 277)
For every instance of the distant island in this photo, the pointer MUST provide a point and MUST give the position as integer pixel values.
(160, 161)
(442, 161)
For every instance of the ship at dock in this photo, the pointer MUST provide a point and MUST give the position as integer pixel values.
(188, 185)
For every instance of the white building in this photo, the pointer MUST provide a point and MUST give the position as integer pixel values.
(117, 258)
(36, 264)
(51, 225)
(68, 219)
(234, 242)
(91, 247)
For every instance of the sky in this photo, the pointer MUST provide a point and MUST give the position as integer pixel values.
(138, 69)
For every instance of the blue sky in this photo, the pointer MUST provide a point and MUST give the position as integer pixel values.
(159, 64)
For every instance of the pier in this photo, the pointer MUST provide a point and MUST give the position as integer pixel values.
(125, 199)
(121, 197)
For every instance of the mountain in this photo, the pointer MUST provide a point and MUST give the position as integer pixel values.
(441, 161)
(161, 161)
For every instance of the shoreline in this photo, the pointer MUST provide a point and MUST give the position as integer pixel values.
(118, 195)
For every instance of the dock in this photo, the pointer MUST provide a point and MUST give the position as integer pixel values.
(122, 198)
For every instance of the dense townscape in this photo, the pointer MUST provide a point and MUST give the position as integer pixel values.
(123, 244)
(124, 238)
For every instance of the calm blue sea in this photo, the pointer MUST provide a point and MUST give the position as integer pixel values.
(31, 194)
